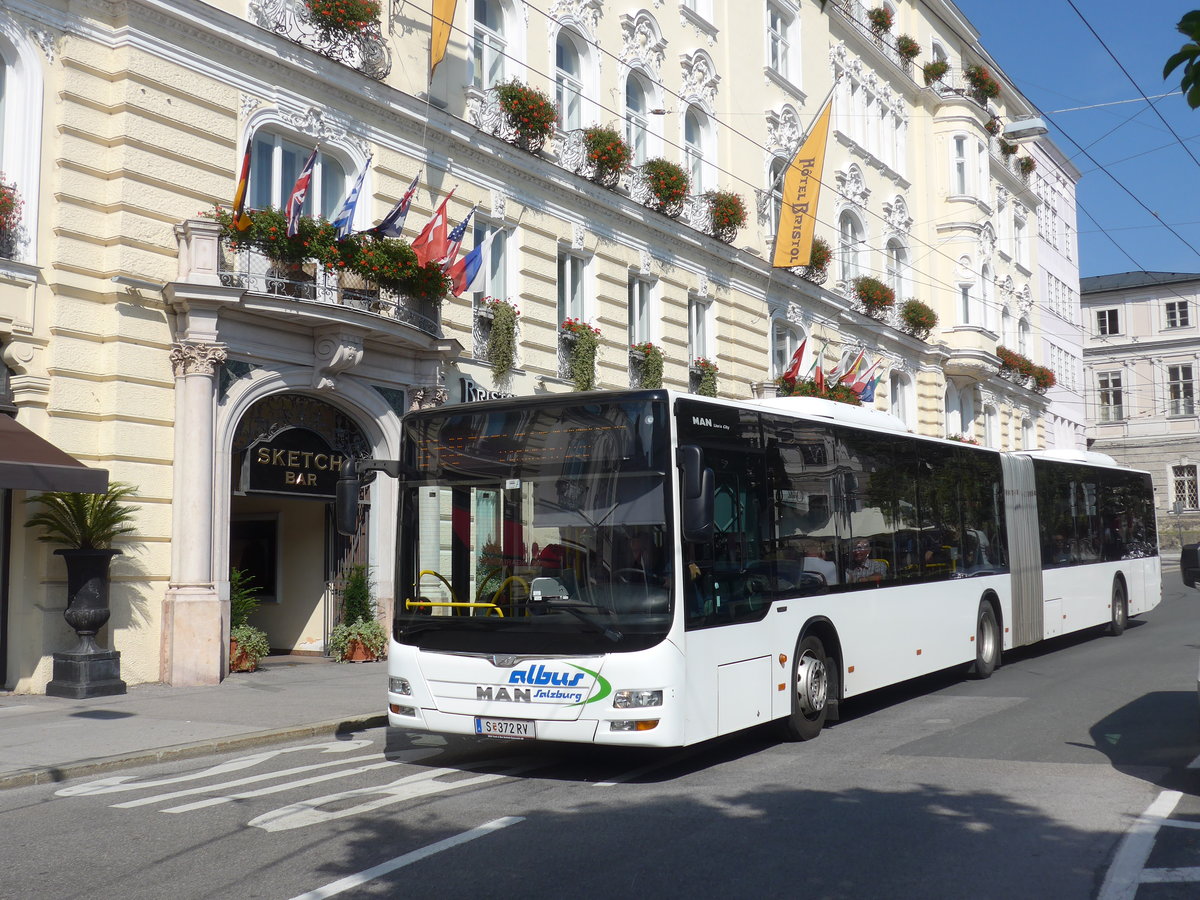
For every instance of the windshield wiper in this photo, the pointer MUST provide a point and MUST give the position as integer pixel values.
(573, 607)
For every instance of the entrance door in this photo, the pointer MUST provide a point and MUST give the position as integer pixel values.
(341, 553)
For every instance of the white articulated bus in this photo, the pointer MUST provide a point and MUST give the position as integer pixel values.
(656, 569)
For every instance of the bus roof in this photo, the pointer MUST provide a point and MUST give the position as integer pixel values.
(844, 413)
(1079, 456)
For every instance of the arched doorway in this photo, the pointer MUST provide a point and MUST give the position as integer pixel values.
(287, 452)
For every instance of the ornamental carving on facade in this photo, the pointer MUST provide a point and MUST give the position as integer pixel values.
(582, 12)
(644, 261)
(278, 412)
(700, 78)
(987, 242)
(197, 359)
(249, 104)
(428, 397)
(334, 352)
(325, 128)
(783, 129)
(643, 43)
(578, 234)
(895, 214)
(45, 42)
(366, 51)
(852, 185)
(1025, 300)
(499, 201)
(1001, 198)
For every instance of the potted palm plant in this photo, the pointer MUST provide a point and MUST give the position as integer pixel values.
(87, 524)
(247, 644)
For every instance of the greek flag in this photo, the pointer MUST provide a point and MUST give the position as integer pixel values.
(344, 220)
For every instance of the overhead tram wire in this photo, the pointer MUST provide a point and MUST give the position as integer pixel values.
(930, 280)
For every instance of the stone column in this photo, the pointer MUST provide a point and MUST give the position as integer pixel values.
(195, 625)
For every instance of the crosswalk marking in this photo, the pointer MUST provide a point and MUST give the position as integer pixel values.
(353, 881)
(1124, 875)
(1171, 876)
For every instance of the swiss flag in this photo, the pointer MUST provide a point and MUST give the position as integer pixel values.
(793, 370)
(432, 244)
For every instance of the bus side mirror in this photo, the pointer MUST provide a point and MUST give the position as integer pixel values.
(345, 504)
(697, 494)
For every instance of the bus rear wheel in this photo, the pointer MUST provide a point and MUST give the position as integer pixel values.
(987, 641)
(1120, 610)
(812, 686)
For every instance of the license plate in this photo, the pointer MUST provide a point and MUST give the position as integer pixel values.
(515, 729)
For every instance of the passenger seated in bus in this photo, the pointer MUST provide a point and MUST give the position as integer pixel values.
(862, 567)
(1059, 552)
(815, 561)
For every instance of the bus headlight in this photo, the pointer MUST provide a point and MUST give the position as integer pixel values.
(398, 685)
(633, 725)
(636, 699)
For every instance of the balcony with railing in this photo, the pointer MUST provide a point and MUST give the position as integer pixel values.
(855, 12)
(366, 50)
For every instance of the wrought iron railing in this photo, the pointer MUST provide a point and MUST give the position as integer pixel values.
(309, 281)
(485, 113)
(856, 13)
(366, 51)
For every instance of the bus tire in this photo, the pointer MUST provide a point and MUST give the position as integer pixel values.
(812, 680)
(987, 641)
(1120, 610)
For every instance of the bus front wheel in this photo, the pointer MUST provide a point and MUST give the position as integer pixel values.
(987, 641)
(1120, 610)
(812, 686)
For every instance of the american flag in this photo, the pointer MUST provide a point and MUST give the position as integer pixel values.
(456, 238)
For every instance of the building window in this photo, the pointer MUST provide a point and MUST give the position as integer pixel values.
(696, 140)
(1108, 321)
(639, 310)
(965, 304)
(900, 396)
(570, 287)
(1186, 486)
(1180, 391)
(991, 427)
(780, 40)
(897, 266)
(698, 330)
(1028, 435)
(568, 81)
(775, 180)
(850, 237)
(275, 165)
(1023, 336)
(490, 45)
(1111, 403)
(637, 126)
(958, 163)
(1020, 241)
(785, 338)
(1177, 314)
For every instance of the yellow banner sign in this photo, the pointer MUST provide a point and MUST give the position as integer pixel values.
(801, 187)
(443, 16)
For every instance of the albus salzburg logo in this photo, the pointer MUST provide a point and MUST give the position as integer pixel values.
(538, 684)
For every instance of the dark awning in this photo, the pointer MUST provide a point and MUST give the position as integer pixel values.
(31, 463)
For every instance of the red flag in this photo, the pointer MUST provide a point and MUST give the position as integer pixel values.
(854, 365)
(432, 244)
(859, 384)
(819, 378)
(241, 221)
(793, 370)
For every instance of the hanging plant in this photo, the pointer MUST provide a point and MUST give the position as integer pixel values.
(502, 339)
(530, 113)
(584, 342)
(342, 17)
(881, 20)
(821, 254)
(874, 295)
(649, 362)
(10, 214)
(1014, 366)
(907, 47)
(839, 393)
(992, 125)
(608, 153)
(917, 319)
(983, 85)
(1026, 165)
(728, 214)
(668, 185)
(1007, 148)
(706, 370)
(935, 71)
(1043, 379)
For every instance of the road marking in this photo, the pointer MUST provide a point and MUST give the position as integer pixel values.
(278, 788)
(121, 783)
(1171, 876)
(353, 881)
(309, 812)
(637, 773)
(1127, 868)
(1195, 763)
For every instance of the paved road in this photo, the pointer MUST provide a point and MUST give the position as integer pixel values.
(1065, 775)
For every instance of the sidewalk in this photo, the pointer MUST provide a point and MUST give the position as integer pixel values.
(45, 739)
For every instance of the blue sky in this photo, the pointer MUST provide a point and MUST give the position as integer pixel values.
(1046, 49)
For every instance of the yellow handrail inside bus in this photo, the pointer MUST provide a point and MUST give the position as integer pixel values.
(440, 578)
(491, 607)
(504, 584)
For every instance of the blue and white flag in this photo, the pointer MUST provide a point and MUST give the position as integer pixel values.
(344, 220)
(393, 223)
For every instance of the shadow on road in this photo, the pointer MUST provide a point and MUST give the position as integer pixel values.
(1158, 731)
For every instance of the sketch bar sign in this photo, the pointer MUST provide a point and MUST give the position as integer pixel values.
(801, 186)
(296, 462)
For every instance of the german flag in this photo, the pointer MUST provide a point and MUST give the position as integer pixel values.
(241, 221)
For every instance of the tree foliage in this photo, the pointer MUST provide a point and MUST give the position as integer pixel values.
(1188, 57)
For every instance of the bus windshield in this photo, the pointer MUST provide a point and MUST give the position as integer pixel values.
(543, 529)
